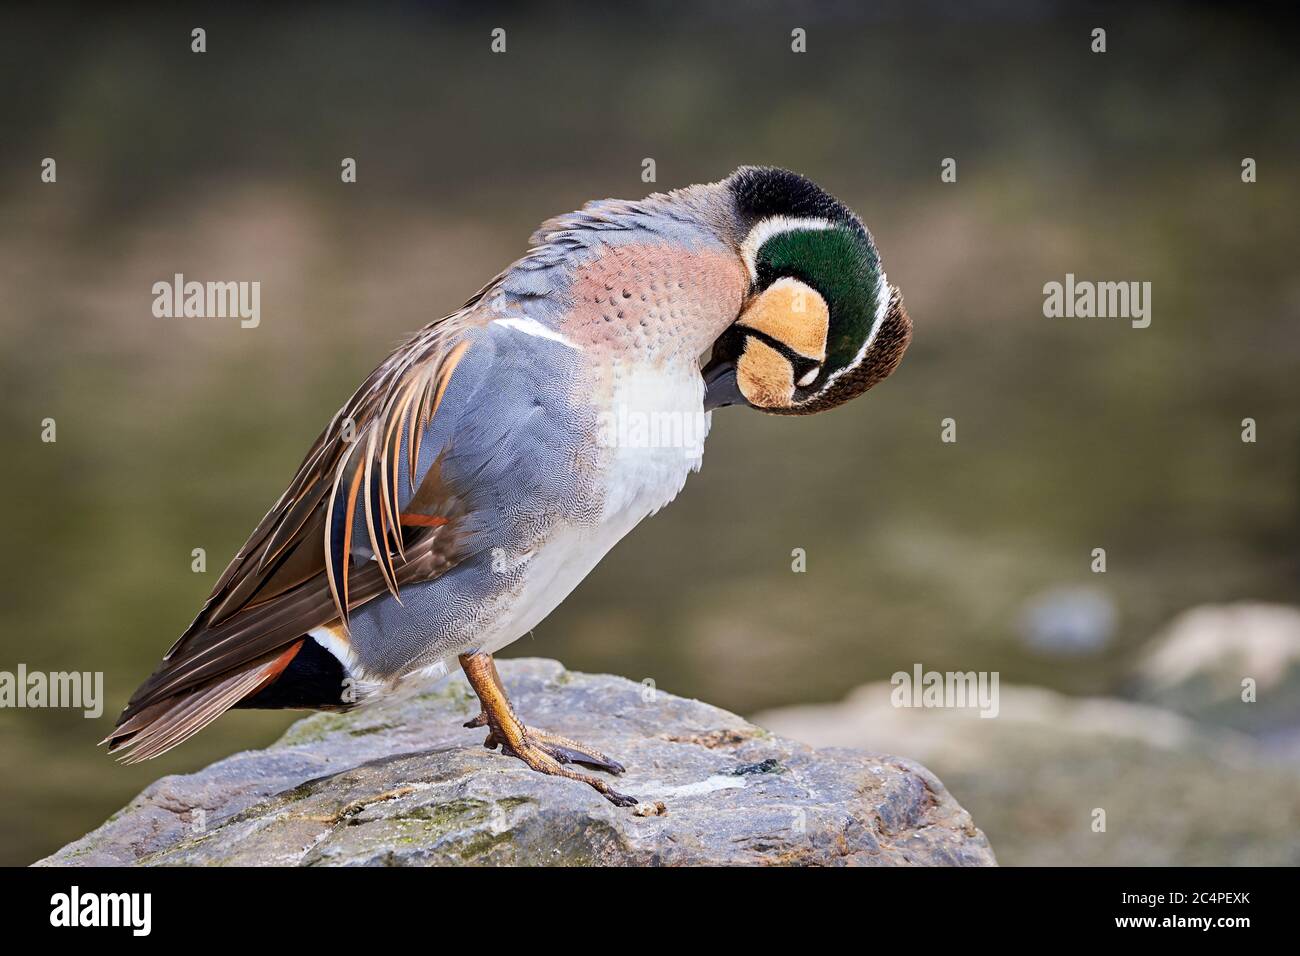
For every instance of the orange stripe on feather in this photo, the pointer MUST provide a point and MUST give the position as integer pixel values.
(277, 666)
(445, 372)
(423, 521)
(347, 533)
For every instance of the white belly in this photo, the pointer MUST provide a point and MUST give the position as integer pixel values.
(654, 438)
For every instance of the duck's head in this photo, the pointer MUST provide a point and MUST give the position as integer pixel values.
(820, 324)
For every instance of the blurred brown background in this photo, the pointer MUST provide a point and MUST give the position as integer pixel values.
(1073, 434)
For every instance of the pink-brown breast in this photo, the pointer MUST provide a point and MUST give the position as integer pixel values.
(654, 303)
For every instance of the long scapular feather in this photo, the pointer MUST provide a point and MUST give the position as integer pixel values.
(338, 530)
(415, 431)
(388, 489)
(375, 503)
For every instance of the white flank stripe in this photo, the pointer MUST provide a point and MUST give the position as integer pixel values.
(336, 646)
(535, 328)
(364, 686)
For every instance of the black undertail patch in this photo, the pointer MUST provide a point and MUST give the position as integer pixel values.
(314, 679)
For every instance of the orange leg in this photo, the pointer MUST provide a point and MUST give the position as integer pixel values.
(543, 752)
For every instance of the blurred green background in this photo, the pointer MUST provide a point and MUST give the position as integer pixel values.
(1072, 434)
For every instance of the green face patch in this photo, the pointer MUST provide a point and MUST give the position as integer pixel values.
(840, 264)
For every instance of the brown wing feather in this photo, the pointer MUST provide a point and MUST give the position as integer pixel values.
(295, 571)
(161, 726)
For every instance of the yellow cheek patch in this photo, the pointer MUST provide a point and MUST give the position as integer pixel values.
(794, 314)
(764, 376)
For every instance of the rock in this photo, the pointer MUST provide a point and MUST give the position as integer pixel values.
(402, 783)
(1198, 664)
(1173, 792)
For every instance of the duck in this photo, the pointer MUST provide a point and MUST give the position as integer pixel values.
(486, 466)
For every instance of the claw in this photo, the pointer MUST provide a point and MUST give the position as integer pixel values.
(570, 751)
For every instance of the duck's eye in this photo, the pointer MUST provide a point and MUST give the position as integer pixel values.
(809, 377)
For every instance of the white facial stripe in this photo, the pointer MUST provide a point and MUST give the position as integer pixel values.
(535, 328)
(770, 227)
(887, 296)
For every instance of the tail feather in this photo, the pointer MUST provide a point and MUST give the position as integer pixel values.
(157, 728)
